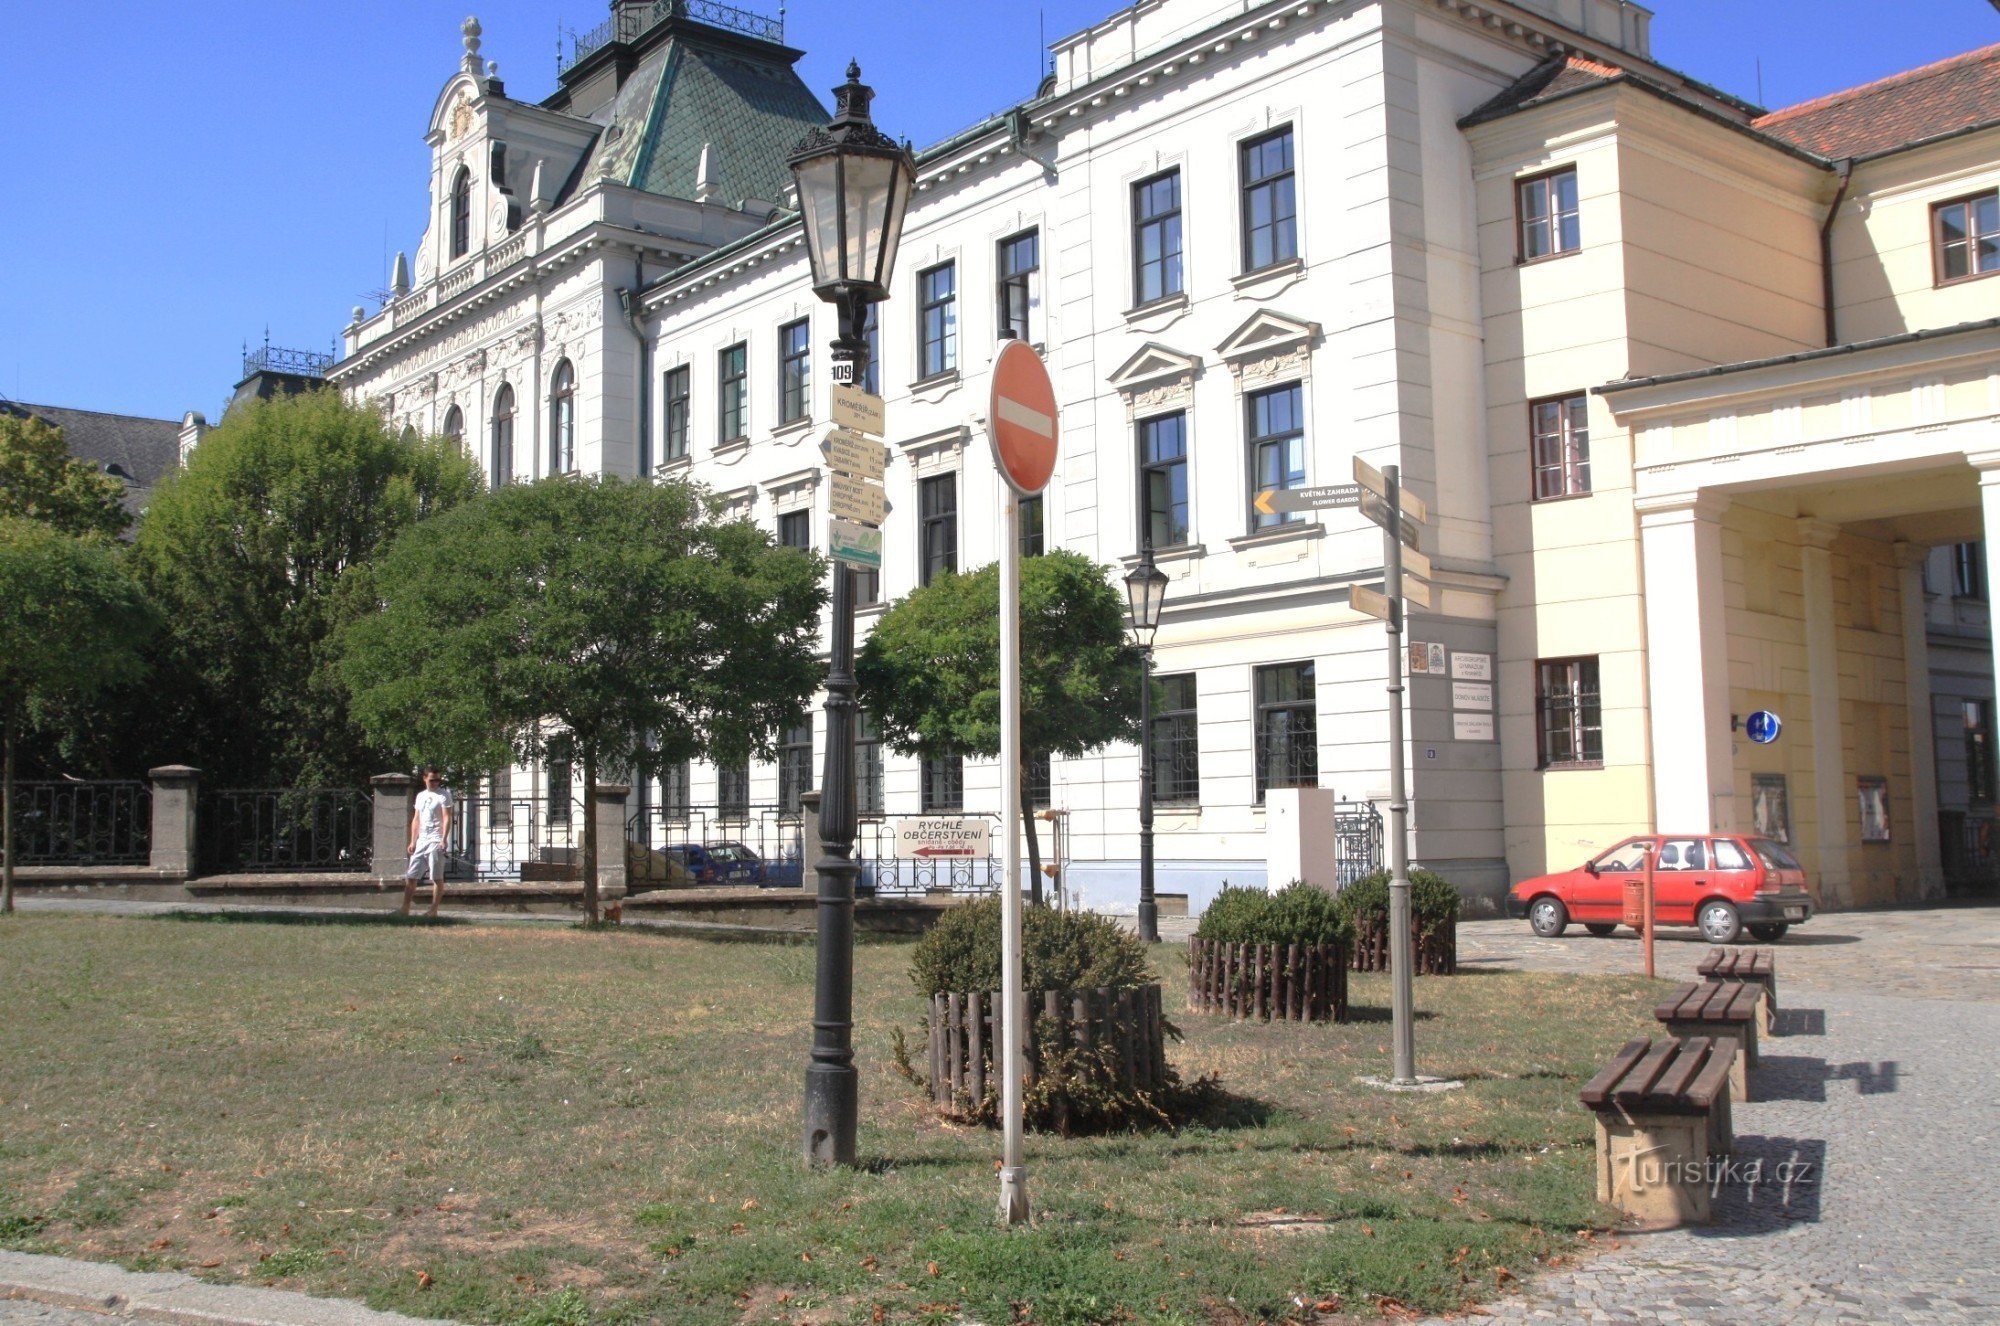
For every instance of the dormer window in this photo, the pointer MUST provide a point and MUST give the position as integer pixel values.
(461, 212)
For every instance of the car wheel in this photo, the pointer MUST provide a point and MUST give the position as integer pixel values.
(1770, 933)
(1601, 929)
(1548, 917)
(1719, 923)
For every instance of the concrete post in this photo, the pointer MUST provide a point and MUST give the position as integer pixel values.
(607, 802)
(808, 814)
(1687, 654)
(174, 818)
(1833, 797)
(394, 795)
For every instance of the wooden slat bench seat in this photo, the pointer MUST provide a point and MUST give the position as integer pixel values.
(1759, 966)
(1718, 1009)
(1662, 1112)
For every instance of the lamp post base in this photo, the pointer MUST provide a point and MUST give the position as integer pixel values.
(1149, 921)
(833, 1101)
(1013, 1195)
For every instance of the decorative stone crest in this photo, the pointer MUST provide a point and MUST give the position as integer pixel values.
(461, 117)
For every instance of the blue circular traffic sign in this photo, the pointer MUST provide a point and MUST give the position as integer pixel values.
(1763, 727)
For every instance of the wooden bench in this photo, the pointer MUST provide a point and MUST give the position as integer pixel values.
(1721, 1010)
(1756, 965)
(1662, 1112)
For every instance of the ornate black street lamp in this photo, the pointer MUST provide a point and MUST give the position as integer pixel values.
(1145, 594)
(854, 186)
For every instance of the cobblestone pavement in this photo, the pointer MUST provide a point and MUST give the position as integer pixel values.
(21, 1312)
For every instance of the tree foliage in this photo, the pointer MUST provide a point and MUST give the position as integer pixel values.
(626, 617)
(41, 481)
(73, 622)
(248, 552)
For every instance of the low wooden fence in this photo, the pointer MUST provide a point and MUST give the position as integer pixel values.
(1285, 982)
(1118, 1032)
(1436, 948)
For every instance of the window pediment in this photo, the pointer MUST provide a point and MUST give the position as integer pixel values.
(1269, 345)
(1156, 378)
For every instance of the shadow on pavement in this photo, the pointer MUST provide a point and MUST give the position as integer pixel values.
(1765, 1185)
(1805, 1077)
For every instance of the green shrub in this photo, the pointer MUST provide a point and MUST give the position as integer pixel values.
(1364, 904)
(1059, 951)
(1296, 914)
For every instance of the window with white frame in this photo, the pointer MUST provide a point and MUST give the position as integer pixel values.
(1270, 201)
(1547, 214)
(937, 320)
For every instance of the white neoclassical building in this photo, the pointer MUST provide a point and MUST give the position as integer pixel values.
(1694, 393)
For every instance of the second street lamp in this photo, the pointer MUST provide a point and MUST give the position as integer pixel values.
(854, 186)
(1145, 594)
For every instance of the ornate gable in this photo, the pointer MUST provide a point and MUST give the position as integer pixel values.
(1270, 344)
(1157, 377)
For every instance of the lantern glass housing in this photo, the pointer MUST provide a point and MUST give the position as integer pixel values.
(1145, 595)
(854, 187)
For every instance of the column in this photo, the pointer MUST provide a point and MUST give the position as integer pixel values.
(607, 803)
(1923, 736)
(1832, 797)
(173, 849)
(1687, 663)
(394, 795)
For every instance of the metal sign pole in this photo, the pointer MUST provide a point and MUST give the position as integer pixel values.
(1400, 954)
(1013, 1176)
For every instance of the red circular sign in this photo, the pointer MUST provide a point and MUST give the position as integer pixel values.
(1022, 418)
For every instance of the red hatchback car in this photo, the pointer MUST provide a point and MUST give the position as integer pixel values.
(1722, 884)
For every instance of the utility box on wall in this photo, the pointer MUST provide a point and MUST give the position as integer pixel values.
(1300, 837)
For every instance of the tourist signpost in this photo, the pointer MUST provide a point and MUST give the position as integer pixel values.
(1021, 425)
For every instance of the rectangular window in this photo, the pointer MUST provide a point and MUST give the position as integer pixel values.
(1546, 207)
(1019, 265)
(937, 514)
(1156, 237)
(943, 783)
(795, 758)
(732, 377)
(795, 529)
(1041, 781)
(500, 797)
(1979, 773)
(1569, 713)
(1270, 204)
(867, 764)
(1033, 538)
(1561, 447)
(871, 331)
(1277, 448)
(1163, 480)
(937, 319)
(1968, 570)
(561, 788)
(1173, 750)
(1966, 236)
(676, 791)
(674, 392)
(732, 790)
(867, 586)
(794, 370)
(1287, 727)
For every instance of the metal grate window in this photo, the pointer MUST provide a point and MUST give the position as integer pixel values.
(732, 380)
(1270, 203)
(1020, 261)
(1041, 781)
(562, 419)
(500, 796)
(795, 757)
(1163, 480)
(1547, 210)
(1156, 237)
(1277, 448)
(1979, 771)
(676, 791)
(1287, 727)
(867, 764)
(674, 390)
(1173, 747)
(937, 513)
(794, 370)
(732, 789)
(795, 529)
(943, 784)
(562, 787)
(937, 319)
(1561, 446)
(1570, 713)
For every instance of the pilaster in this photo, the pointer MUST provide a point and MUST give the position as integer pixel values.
(1687, 662)
(1923, 737)
(1831, 797)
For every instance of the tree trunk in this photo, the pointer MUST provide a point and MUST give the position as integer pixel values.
(7, 815)
(1034, 844)
(590, 834)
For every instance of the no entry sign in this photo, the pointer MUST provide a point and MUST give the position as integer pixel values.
(1022, 417)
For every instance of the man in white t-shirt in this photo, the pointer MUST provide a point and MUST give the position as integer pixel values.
(430, 830)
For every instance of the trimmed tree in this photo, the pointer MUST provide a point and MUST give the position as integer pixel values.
(40, 480)
(73, 622)
(626, 617)
(930, 672)
(246, 552)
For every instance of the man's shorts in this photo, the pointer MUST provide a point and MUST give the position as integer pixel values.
(427, 863)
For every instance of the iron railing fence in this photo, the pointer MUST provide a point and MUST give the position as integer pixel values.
(891, 875)
(628, 24)
(258, 830)
(1971, 851)
(101, 823)
(507, 838)
(685, 846)
(272, 359)
(1357, 831)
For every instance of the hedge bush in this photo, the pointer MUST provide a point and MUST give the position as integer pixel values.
(1296, 914)
(1433, 901)
(1059, 951)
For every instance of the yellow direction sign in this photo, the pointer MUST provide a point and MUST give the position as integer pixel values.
(1372, 479)
(1273, 501)
(1377, 510)
(856, 499)
(856, 409)
(1372, 602)
(1416, 564)
(1417, 592)
(863, 457)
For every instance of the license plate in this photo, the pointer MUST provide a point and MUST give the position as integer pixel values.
(1795, 913)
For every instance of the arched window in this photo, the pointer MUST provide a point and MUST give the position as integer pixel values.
(461, 212)
(503, 437)
(562, 420)
(454, 425)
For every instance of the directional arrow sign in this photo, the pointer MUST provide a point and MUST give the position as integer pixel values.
(1377, 510)
(1373, 480)
(863, 457)
(1372, 602)
(856, 499)
(1416, 564)
(1272, 501)
(1417, 592)
(857, 409)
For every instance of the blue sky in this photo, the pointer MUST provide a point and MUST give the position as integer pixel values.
(184, 175)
